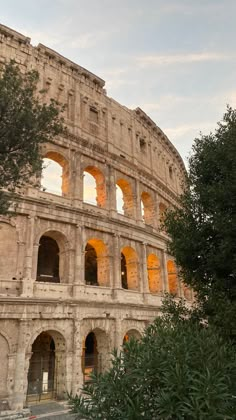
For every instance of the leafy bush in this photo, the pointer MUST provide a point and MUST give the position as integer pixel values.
(180, 369)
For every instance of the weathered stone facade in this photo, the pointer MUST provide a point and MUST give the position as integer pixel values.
(47, 315)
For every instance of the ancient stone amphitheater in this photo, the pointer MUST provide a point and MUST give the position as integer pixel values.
(82, 272)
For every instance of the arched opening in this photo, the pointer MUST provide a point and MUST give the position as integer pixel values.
(154, 274)
(90, 359)
(3, 373)
(129, 268)
(94, 187)
(48, 260)
(124, 198)
(124, 279)
(172, 277)
(131, 334)
(46, 374)
(55, 174)
(147, 208)
(95, 353)
(96, 263)
(53, 261)
(119, 200)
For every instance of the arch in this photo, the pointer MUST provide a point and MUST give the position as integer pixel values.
(147, 208)
(132, 333)
(4, 346)
(129, 266)
(97, 270)
(55, 174)
(95, 352)
(8, 251)
(47, 368)
(94, 187)
(52, 263)
(127, 197)
(172, 277)
(154, 273)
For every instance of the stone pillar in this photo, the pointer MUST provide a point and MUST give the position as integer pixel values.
(18, 397)
(116, 262)
(78, 181)
(139, 216)
(77, 371)
(79, 280)
(111, 192)
(164, 272)
(145, 285)
(27, 286)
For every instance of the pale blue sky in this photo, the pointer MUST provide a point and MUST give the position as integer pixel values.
(176, 59)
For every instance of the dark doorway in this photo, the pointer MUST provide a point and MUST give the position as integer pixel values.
(90, 362)
(48, 260)
(91, 267)
(124, 280)
(42, 370)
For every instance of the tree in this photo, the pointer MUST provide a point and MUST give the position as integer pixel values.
(203, 228)
(179, 369)
(25, 123)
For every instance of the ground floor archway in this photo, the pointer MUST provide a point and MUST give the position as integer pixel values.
(46, 374)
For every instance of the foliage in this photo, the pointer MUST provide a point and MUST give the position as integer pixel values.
(178, 370)
(203, 228)
(25, 123)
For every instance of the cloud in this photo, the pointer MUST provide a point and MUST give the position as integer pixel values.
(185, 58)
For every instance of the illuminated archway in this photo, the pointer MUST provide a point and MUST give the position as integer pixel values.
(94, 187)
(154, 274)
(55, 174)
(124, 204)
(147, 208)
(132, 333)
(129, 268)
(95, 353)
(172, 277)
(96, 263)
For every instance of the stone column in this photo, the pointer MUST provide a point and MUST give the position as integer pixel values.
(18, 397)
(116, 262)
(164, 272)
(27, 286)
(139, 216)
(111, 192)
(78, 182)
(145, 285)
(79, 280)
(77, 371)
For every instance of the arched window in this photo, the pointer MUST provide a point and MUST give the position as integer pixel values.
(172, 277)
(124, 198)
(55, 174)
(96, 263)
(124, 279)
(94, 187)
(119, 200)
(154, 274)
(48, 260)
(129, 269)
(147, 208)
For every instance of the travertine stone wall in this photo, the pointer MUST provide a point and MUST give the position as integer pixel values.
(117, 146)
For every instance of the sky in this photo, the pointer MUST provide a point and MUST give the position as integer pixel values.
(175, 59)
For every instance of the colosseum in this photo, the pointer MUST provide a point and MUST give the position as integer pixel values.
(85, 267)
